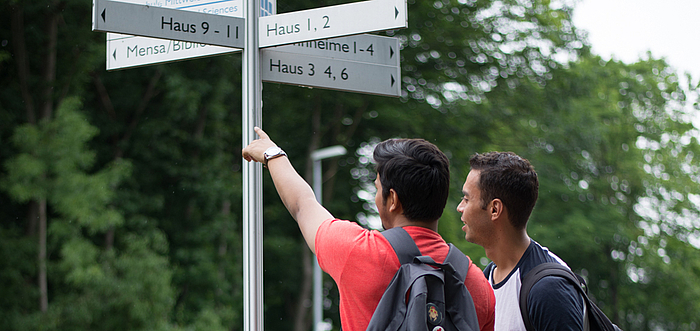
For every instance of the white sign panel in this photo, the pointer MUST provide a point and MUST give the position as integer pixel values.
(125, 51)
(333, 21)
(166, 23)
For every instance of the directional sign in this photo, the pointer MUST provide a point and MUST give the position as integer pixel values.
(144, 20)
(125, 51)
(366, 48)
(365, 63)
(332, 74)
(333, 21)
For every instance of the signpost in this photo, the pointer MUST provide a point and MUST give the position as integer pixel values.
(363, 63)
(125, 51)
(165, 23)
(367, 64)
(367, 48)
(334, 21)
(252, 176)
(328, 73)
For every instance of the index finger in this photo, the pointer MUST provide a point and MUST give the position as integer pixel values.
(261, 133)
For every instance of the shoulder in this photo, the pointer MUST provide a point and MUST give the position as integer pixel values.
(338, 241)
(334, 224)
(554, 304)
(482, 295)
(340, 231)
(535, 255)
(552, 287)
(340, 234)
(478, 285)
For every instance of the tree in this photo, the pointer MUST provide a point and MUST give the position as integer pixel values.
(157, 148)
(613, 146)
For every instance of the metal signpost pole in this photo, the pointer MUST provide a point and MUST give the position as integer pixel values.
(252, 176)
(318, 275)
(348, 69)
(317, 156)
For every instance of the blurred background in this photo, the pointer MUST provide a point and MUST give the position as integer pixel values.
(120, 191)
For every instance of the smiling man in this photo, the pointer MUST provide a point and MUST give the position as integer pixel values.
(499, 194)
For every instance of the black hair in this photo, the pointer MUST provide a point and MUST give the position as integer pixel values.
(510, 178)
(418, 172)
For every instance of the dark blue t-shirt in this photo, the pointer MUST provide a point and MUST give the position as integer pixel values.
(553, 303)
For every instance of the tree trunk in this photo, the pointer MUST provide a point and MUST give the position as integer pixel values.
(32, 219)
(43, 287)
(109, 238)
(223, 244)
(49, 78)
(108, 106)
(19, 49)
(49, 70)
(613, 295)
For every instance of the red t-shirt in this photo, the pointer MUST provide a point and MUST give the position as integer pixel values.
(362, 263)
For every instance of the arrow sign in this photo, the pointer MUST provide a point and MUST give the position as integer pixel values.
(328, 73)
(165, 23)
(365, 63)
(125, 51)
(333, 21)
(331, 74)
(367, 48)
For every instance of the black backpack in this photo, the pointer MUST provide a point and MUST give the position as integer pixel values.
(597, 321)
(425, 295)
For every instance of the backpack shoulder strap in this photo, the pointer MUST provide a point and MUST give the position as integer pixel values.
(459, 261)
(402, 243)
(533, 276)
(596, 318)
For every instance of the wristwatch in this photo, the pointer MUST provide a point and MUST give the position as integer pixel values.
(272, 153)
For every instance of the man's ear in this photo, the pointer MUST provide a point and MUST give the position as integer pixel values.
(393, 201)
(497, 208)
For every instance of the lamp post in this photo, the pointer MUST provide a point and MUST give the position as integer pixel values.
(317, 156)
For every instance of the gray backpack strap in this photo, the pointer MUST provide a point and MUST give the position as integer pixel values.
(404, 246)
(594, 316)
(459, 262)
(533, 276)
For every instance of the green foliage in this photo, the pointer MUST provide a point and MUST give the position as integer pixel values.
(589, 133)
(140, 168)
(52, 164)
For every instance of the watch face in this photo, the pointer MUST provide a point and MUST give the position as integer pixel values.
(272, 151)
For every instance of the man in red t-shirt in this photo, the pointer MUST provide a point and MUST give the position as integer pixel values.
(412, 187)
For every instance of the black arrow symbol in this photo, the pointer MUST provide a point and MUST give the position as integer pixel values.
(114, 55)
(392, 80)
(391, 52)
(396, 12)
(103, 15)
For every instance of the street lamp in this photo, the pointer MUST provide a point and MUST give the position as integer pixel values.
(317, 156)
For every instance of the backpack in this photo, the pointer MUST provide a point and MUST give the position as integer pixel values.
(595, 318)
(425, 295)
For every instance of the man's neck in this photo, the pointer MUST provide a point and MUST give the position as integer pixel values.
(402, 221)
(506, 253)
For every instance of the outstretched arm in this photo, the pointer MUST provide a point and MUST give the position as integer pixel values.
(295, 193)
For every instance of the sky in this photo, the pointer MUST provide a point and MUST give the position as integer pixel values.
(627, 29)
